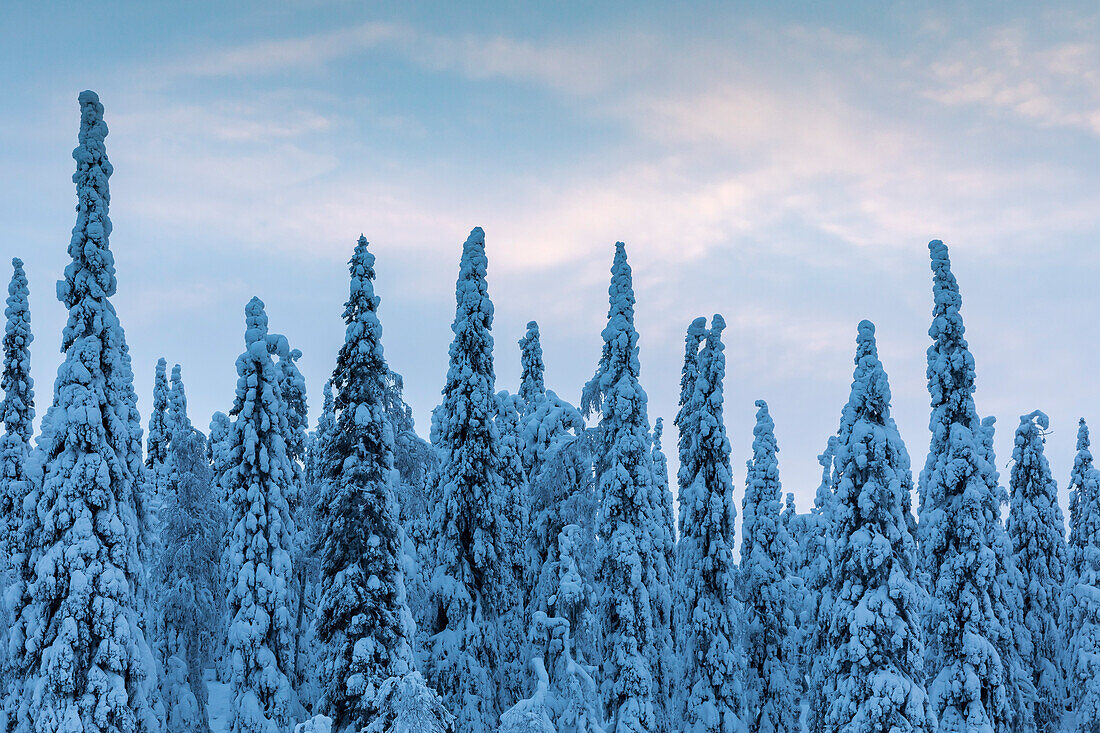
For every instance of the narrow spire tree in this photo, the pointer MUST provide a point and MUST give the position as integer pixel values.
(191, 602)
(1038, 533)
(1083, 604)
(259, 566)
(83, 659)
(472, 584)
(771, 685)
(628, 580)
(364, 620)
(156, 445)
(17, 408)
(532, 385)
(1079, 487)
(707, 616)
(971, 656)
(874, 666)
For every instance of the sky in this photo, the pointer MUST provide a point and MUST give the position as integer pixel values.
(783, 164)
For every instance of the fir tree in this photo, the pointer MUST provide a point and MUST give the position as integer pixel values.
(1083, 602)
(686, 418)
(156, 446)
(471, 587)
(708, 615)
(364, 619)
(532, 387)
(565, 699)
(1078, 500)
(971, 656)
(515, 522)
(78, 643)
(191, 603)
(16, 410)
(259, 565)
(630, 585)
(771, 679)
(874, 669)
(1037, 531)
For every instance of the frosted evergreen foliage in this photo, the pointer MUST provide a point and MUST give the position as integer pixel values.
(1083, 601)
(364, 620)
(259, 567)
(532, 385)
(708, 615)
(687, 416)
(77, 643)
(874, 666)
(179, 422)
(771, 677)
(156, 446)
(17, 408)
(515, 522)
(471, 586)
(971, 658)
(217, 452)
(1037, 531)
(630, 584)
(191, 604)
(1081, 483)
(566, 699)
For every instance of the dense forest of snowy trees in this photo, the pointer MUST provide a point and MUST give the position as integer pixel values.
(529, 569)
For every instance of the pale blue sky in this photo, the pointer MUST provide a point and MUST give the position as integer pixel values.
(784, 165)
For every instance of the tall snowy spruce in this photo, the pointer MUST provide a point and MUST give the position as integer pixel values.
(532, 385)
(771, 677)
(628, 571)
(370, 678)
(472, 588)
(874, 666)
(259, 570)
(16, 410)
(1083, 602)
(190, 607)
(156, 443)
(973, 667)
(77, 644)
(1037, 531)
(707, 615)
(1079, 488)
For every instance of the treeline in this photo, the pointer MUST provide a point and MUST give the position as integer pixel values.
(527, 570)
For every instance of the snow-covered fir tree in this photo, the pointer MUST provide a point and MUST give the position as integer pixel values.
(629, 580)
(532, 384)
(874, 666)
(685, 417)
(77, 645)
(16, 411)
(471, 586)
(707, 615)
(515, 521)
(1083, 602)
(370, 677)
(816, 547)
(972, 660)
(191, 600)
(217, 452)
(156, 445)
(566, 699)
(1038, 535)
(661, 593)
(1079, 487)
(259, 568)
(771, 678)
(563, 493)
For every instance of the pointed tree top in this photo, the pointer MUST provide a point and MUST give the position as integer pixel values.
(255, 319)
(658, 431)
(181, 423)
(870, 388)
(1082, 435)
(947, 322)
(532, 386)
(621, 291)
(764, 432)
(92, 271)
